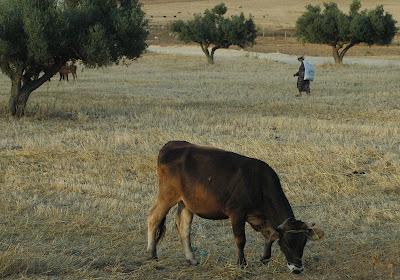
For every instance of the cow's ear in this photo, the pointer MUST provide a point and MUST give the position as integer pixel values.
(313, 233)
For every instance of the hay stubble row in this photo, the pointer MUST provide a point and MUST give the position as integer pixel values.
(78, 172)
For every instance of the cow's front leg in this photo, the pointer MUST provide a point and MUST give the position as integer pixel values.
(238, 227)
(269, 233)
(266, 257)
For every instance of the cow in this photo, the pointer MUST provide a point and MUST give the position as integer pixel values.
(217, 184)
(66, 69)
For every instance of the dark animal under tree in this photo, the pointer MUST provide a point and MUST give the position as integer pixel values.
(68, 69)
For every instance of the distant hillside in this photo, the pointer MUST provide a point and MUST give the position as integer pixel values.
(275, 14)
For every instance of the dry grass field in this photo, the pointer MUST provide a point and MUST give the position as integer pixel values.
(274, 14)
(291, 46)
(77, 173)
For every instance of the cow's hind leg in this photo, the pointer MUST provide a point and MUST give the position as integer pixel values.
(238, 226)
(156, 224)
(183, 224)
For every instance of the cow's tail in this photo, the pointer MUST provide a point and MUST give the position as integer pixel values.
(160, 232)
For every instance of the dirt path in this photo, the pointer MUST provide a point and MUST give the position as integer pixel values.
(278, 57)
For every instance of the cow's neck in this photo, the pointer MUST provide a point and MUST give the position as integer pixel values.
(280, 208)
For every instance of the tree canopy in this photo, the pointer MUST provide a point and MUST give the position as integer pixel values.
(212, 31)
(342, 31)
(37, 37)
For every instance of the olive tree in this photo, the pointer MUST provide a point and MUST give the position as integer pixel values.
(212, 31)
(342, 31)
(37, 37)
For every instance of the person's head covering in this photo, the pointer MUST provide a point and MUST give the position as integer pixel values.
(300, 57)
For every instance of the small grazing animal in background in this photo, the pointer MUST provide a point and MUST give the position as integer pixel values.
(67, 69)
(217, 184)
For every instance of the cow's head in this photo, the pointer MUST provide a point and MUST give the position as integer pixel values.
(293, 236)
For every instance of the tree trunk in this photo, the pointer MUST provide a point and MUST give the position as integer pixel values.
(344, 51)
(339, 52)
(20, 92)
(18, 98)
(336, 56)
(213, 52)
(210, 57)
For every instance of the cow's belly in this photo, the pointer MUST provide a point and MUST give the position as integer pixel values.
(213, 216)
(204, 205)
(205, 211)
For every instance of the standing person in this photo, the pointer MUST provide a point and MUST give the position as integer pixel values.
(305, 75)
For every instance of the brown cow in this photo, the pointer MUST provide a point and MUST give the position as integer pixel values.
(66, 69)
(217, 184)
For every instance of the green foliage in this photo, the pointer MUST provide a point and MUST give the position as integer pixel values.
(34, 33)
(355, 7)
(333, 27)
(325, 27)
(212, 29)
(220, 9)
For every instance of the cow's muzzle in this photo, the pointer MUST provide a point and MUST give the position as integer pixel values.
(295, 268)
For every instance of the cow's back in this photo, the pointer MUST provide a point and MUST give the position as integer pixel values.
(214, 174)
(201, 156)
(172, 151)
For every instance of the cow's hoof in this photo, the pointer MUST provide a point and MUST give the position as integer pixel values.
(152, 258)
(295, 269)
(242, 263)
(192, 262)
(265, 260)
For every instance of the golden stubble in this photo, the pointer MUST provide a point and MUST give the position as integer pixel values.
(78, 173)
